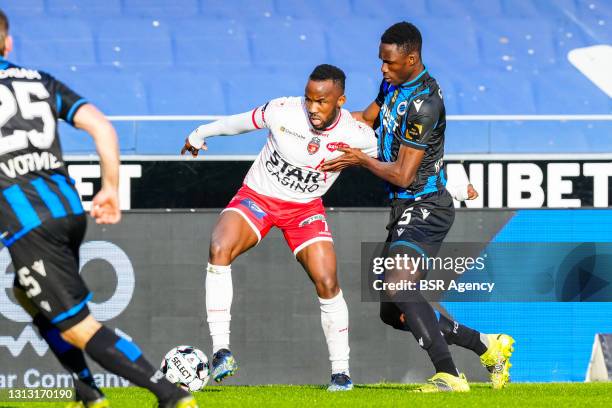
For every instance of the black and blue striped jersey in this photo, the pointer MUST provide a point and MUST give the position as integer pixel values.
(34, 182)
(413, 114)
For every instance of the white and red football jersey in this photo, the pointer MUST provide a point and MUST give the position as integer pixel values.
(287, 167)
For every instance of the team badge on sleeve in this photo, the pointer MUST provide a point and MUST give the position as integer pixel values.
(413, 130)
(313, 145)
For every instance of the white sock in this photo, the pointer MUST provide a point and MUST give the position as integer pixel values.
(335, 322)
(219, 294)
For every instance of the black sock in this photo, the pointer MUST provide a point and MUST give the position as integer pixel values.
(390, 314)
(71, 358)
(122, 357)
(461, 335)
(421, 319)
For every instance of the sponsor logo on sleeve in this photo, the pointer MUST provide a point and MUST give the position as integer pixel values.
(413, 130)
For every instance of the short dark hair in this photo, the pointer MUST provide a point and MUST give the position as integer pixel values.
(326, 72)
(4, 30)
(405, 35)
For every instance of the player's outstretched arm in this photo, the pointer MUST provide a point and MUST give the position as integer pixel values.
(227, 126)
(400, 172)
(105, 208)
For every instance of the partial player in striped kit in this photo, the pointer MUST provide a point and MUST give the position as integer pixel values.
(42, 223)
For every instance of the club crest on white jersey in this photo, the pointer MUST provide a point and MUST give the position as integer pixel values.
(288, 166)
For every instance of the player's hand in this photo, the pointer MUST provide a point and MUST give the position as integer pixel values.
(472, 193)
(351, 157)
(105, 207)
(191, 149)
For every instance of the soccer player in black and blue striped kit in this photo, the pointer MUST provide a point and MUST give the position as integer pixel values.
(42, 222)
(411, 120)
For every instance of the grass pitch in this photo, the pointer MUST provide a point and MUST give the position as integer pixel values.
(375, 395)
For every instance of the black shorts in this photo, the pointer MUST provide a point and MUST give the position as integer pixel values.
(416, 228)
(424, 222)
(46, 263)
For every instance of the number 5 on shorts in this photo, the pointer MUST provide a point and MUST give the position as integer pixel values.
(405, 218)
(26, 280)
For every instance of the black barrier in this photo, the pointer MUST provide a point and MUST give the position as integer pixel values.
(505, 183)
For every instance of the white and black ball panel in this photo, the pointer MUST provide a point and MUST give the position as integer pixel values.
(187, 367)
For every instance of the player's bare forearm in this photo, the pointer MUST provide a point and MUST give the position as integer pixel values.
(369, 115)
(391, 172)
(400, 172)
(91, 120)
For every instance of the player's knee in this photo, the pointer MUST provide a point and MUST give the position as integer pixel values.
(80, 334)
(392, 319)
(446, 328)
(220, 252)
(327, 287)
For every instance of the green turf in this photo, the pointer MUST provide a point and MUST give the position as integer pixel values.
(379, 395)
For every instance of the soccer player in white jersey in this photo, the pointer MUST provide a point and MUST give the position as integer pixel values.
(283, 188)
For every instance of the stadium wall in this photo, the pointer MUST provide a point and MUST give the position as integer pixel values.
(147, 275)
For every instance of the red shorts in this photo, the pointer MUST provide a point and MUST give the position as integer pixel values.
(302, 223)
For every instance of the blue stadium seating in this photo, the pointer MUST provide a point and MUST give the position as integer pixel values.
(457, 47)
(390, 10)
(353, 44)
(23, 8)
(315, 10)
(161, 8)
(238, 9)
(491, 91)
(44, 45)
(86, 9)
(115, 92)
(361, 90)
(204, 43)
(552, 98)
(519, 44)
(287, 43)
(247, 91)
(465, 9)
(135, 43)
(184, 93)
(219, 57)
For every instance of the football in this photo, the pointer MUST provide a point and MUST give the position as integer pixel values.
(187, 367)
